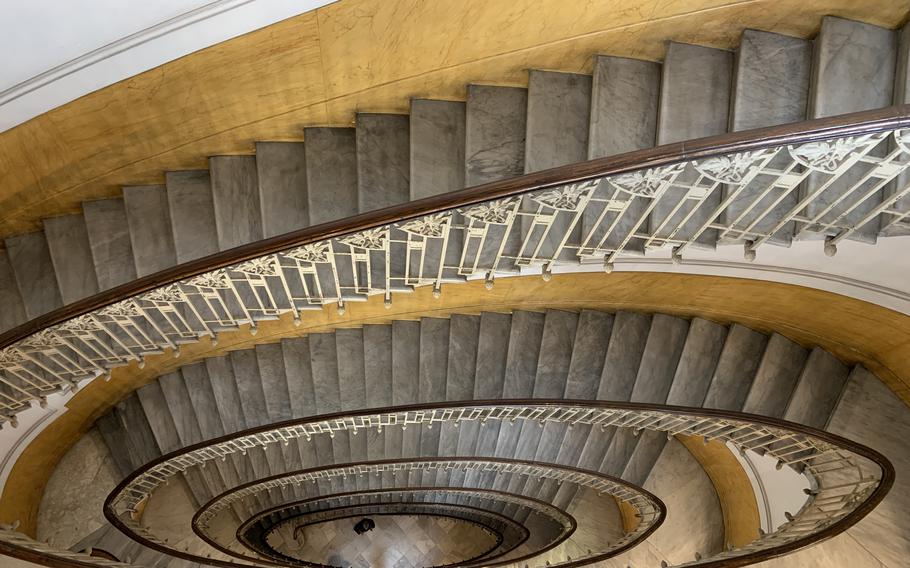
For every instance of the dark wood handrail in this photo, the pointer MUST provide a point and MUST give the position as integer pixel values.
(853, 517)
(853, 124)
(465, 562)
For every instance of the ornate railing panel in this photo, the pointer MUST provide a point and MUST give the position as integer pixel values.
(752, 188)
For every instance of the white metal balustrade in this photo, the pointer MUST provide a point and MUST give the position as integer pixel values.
(755, 198)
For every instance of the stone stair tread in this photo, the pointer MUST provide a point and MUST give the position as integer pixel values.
(71, 254)
(819, 388)
(776, 377)
(31, 264)
(235, 195)
(109, 238)
(437, 147)
(149, 221)
(283, 192)
(588, 354)
(525, 336)
(433, 359)
(13, 313)
(192, 213)
(697, 363)
(331, 157)
(383, 160)
(736, 368)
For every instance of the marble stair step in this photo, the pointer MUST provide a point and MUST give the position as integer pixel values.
(776, 377)
(853, 70)
(192, 213)
(525, 336)
(736, 368)
(249, 387)
(694, 102)
(383, 160)
(33, 270)
(624, 103)
(326, 383)
(433, 359)
(235, 195)
(461, 367)
(13, 313)
(555, 354)
(109, 238)
(377, 349)
(71, 254)
(331, 157)
(272, 375)
(697, 363)
(117, 441)
(557, 127)
(283, 192)
(143, 446)
(624, 353)
(405, 362)
(658, 366)
(770, 87)
(437, 147)
(589, 353)
(149, 220)
(352, 378)
(818, 391)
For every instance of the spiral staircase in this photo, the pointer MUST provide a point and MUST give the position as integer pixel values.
(524, 435)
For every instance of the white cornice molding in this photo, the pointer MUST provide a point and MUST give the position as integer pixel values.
(146, 49)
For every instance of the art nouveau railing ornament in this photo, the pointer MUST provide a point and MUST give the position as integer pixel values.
(847, 479)
(825, 187)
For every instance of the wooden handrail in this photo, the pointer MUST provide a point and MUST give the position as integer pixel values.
(853, 124)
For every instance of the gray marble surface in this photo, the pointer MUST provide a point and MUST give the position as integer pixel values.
(235, 195)
(494, 133)
(192, 212)
(249, 387)
(383, 160)
(159, 417)
(270, 359)
(437, 149)
(149, 221)
(523, 353)
(143, 446)
(694, 102)
(736, 368)
(771, 80)
(377, 347)
(776, 377)
(14, 311)
(588, 356)
(324, 362)
(492, 354)
(283, 193)
(697, 363)
(109, 237)
(627, 343)
(818, 390)
(331, 157)
(227, 396)
(352, 375)
(202, 397)
(180, 406)
(33, 268)
(555, 358)
(405, 361)
(559, 109)
(66, 516)
(464, 333)
(299, 373)
(663, 349)
(71, 254)
(434, 359)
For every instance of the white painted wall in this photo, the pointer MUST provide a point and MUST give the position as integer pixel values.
(54, 51)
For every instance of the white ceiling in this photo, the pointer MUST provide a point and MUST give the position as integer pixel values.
(55, 51)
